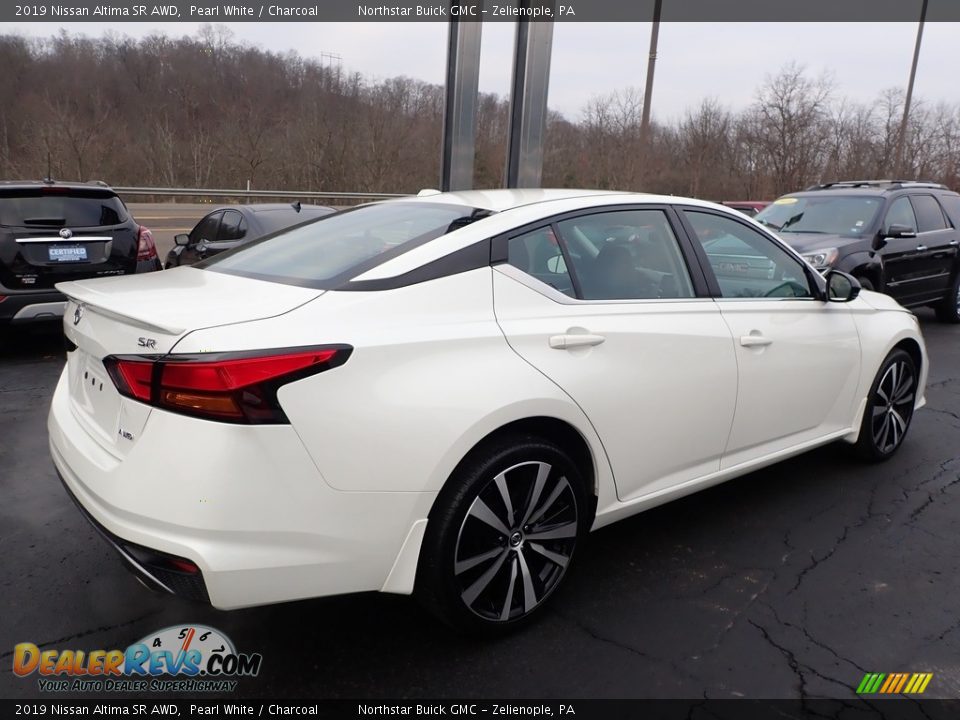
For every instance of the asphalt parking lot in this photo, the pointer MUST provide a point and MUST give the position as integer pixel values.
(790, 582)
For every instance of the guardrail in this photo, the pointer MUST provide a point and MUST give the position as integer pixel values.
(227, 193)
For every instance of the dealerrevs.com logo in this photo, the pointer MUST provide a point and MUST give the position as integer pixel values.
(183, 658)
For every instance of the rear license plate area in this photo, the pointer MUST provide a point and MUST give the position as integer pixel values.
(67, 253)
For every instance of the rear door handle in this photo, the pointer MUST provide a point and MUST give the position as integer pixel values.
(565, 342)
(953, 243)
(921, 248)
(755, 341)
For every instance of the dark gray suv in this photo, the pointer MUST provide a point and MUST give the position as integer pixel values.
(895, 236)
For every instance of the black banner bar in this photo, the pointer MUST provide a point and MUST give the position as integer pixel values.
(892, 709)
(853, 11)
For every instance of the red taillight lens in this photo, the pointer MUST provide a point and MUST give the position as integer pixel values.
(146, 248)
(133, 378)
(232, 387)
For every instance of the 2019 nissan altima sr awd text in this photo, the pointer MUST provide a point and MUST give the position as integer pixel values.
(442, 395)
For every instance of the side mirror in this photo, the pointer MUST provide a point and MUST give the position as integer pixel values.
(900, 231)
(841, 287)
(182, 239)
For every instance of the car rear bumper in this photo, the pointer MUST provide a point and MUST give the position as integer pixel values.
(245, 504)
(25, 307)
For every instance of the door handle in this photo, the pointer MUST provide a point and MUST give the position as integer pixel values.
(921, 248)
(565, 342)
(755, 341)
(953, 243)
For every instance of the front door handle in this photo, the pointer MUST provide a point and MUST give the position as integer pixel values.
(921, 248)
(953, 243)
(755, 341)
(565, 342)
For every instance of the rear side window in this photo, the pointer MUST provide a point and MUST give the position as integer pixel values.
(538, 254)
(336, 248)
(951, 203)
(54, 207)
(929, 214)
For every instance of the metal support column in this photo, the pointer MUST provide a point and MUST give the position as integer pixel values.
(460, 105)
(528, 102)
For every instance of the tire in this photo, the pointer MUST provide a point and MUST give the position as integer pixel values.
(501, 536)
(948, 309)
(889, 409)
(865, 283)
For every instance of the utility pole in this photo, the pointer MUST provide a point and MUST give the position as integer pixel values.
(648, 89)
(901, 140)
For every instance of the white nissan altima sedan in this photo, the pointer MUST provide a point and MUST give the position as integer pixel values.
(445, 394)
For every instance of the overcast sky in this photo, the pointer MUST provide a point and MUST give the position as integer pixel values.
(726, 61)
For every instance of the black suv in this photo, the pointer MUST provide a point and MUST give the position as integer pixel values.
(895, 236)
(53, 231)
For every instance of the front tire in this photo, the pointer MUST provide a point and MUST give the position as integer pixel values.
(889, 409)
(948, 309)
(502, 535)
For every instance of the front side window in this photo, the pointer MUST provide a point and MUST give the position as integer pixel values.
(900, 213)
(746, 263)
(207, 229)
(626, 255)
(232, 227)
(334, 248)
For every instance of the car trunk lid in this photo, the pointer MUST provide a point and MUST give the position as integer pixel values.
(148, 315)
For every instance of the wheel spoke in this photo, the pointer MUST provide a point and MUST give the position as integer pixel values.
(880, 436)
(464, 565)
(566, 530)
(501, 481)
(529, 594)
(562, 485)
(550, 555)
(905, 385)
(542, 473)
(480, 584)
(879, 410)
(482, 512)
(898, 421)
(508, 600)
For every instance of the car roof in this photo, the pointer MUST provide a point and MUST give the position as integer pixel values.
(33, 184)
(272, 207)
(500, 200)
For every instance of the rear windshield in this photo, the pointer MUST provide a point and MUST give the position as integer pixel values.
(56, 207)
(821, 214)
(335, 248)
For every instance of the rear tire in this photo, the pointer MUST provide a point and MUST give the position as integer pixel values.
(948, 309)
(889, 409)
(501, 536)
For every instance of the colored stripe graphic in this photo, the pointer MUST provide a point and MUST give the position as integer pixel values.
(894, 683)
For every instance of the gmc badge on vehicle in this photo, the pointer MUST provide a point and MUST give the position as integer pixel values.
(147, 342)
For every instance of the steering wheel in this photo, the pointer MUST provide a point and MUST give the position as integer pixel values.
(789, 284)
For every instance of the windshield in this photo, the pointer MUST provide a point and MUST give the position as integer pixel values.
(325, 253)
(828, 214)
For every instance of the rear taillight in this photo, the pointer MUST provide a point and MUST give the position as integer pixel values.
(146, 248)
(230, 387)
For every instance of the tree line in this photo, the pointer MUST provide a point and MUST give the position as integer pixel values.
(206, 111)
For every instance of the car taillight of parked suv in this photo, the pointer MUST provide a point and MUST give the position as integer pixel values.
(55, 231)
(899, 237)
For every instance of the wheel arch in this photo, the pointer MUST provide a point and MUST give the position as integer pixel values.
(561, 432)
